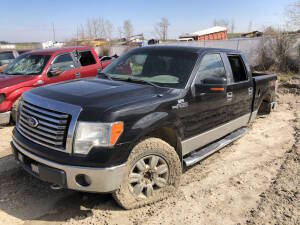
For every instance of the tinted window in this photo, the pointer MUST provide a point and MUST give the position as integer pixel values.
(164, 68)
(238, 68)
(63, 58)
(211, 67)
(87, 58)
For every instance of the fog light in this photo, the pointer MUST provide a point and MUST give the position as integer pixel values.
(83, 180)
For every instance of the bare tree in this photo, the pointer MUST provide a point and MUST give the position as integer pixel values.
(293, 12)
(250, 26)
(162, 28)
(128, 29)
(120, 32)
(109, 27)
(270, 31)
(95, 28)
(81, 32)
(89, 29)
(222, 22)
(232, 26)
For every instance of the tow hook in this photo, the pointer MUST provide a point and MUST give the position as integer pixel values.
(55, 187)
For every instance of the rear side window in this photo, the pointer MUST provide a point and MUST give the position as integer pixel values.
(211, 67)
(238, 68)
(87, 58)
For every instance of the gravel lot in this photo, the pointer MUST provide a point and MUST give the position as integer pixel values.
(256, 180)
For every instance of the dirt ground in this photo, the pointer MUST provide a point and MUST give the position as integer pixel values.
(256, 180)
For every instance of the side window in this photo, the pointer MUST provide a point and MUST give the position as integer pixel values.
(63, 58)
(238, 68)
(86, 58)
(211, 67)
(63, 62)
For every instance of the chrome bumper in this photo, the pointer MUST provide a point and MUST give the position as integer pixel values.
(102, 180)
(4, 118)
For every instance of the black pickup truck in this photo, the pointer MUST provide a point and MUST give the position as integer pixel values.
(150, 113)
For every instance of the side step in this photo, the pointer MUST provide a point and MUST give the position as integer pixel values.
(210, 149)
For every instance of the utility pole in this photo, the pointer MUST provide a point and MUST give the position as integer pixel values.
(53, 29)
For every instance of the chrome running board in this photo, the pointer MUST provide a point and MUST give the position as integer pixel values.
(215, 146)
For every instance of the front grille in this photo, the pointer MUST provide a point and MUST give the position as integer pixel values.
(43, 126)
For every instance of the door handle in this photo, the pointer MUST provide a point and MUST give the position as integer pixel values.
(250, 90)
(229, 96)
(77, 75)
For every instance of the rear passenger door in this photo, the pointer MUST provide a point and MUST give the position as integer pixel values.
(240, 88)
(88, 64)
(65, 66)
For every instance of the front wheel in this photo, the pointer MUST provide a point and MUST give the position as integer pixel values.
(152, 173)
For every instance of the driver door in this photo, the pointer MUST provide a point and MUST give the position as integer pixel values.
(62, 68)
(209, 109)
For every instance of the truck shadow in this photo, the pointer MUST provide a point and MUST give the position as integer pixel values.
(29, 199)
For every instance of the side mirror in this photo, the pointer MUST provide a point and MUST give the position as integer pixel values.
(211, 85)
(53, 72)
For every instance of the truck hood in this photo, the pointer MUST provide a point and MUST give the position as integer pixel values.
(99, 95)
(10, 80)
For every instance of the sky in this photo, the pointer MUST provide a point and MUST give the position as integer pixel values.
(30, 20)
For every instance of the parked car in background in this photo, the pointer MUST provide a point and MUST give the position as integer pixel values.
(130, 131)
(6, 57)
(41, 67)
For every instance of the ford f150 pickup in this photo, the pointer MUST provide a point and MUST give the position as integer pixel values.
(41, 67)
(130, 131)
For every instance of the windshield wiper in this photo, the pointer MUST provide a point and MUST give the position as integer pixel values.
(105, 75)
(130, 79)
(14, 73)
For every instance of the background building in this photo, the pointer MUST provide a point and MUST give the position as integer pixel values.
(213, 33)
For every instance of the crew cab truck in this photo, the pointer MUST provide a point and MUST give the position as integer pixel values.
(130, 132)
(41, 67)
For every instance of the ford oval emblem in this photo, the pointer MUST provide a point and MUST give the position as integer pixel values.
(33, 122)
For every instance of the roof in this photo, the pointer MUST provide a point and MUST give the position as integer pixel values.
(183, 48)
(51, 51)
(211, 30)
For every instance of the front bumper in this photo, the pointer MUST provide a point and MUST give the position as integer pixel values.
(102, 180)
(4, 118)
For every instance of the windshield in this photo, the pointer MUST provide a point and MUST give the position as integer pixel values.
(164, 68)
(28, 65)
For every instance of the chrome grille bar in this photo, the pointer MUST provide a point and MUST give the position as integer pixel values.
(51, 127)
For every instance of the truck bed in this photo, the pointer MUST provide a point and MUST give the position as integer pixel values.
(264, 88)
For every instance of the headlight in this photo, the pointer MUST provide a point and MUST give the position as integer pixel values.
(2, 97)
(89, 135)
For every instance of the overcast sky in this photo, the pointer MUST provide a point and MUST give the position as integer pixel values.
(25, 21)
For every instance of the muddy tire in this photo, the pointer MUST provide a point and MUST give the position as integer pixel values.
(153, 172)
(264, 108)
(14, 109)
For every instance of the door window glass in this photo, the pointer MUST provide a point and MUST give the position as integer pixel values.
(63, 62)
(211, 67)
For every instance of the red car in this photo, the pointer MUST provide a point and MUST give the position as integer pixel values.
(41, 67)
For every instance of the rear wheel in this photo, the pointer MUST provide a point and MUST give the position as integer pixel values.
(152, 173)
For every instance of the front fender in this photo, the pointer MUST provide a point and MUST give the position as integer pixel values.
(12, 97)
(154, 121)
